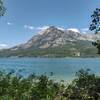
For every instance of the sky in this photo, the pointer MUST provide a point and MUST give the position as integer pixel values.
(25, 18)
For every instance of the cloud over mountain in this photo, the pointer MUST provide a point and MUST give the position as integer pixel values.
(29, 27)
(3, 46)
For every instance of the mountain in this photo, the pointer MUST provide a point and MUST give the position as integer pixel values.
(55, 42)
(54, 37)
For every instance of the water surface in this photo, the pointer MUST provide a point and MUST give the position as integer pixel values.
(63, 68)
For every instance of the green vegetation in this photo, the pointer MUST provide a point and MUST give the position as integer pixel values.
(2, 8)
(71, 49)
(86, 86)
(95, 26)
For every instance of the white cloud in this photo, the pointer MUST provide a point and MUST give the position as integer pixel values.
(42, 28)
(3, 46)
(9, 23)
(74, 29)
(84, 30)
(30, 27)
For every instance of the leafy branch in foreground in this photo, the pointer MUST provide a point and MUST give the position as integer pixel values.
(95, 26)
(2, 8)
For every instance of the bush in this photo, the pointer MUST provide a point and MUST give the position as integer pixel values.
(86, 86)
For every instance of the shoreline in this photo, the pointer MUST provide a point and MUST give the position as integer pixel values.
(51, 57)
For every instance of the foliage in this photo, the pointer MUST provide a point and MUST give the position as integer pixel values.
(2, 8)
(97, 44)
(15, 87)
(95, 26)
(71, 49)
(86, 86)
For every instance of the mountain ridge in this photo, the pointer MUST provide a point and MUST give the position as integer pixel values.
(56, 42)
(54, 34)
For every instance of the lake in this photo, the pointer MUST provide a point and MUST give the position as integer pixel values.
(62, 68)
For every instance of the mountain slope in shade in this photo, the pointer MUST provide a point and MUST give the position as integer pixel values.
(56, 42)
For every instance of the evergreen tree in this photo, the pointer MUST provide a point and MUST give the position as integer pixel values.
(2, 8)
(95, 26)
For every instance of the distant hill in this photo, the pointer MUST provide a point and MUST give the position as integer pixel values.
(54, 42)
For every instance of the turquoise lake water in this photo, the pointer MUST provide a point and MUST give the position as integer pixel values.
(63, 68)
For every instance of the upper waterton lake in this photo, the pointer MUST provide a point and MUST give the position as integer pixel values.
(62, 68)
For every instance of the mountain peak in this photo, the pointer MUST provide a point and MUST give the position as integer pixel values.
(52, 27)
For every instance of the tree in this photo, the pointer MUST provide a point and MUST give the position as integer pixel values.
(2, 8)
(86, 86)
(95, 26)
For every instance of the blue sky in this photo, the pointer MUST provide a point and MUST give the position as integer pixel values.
(24, 18)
